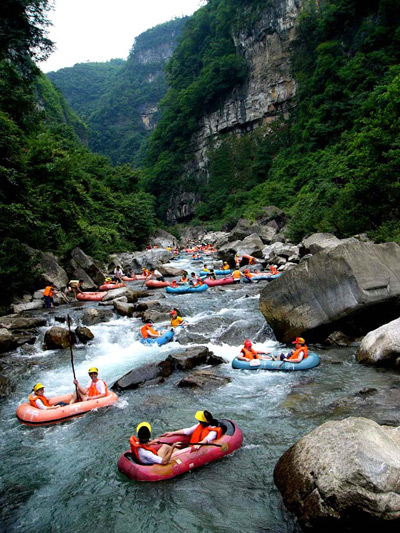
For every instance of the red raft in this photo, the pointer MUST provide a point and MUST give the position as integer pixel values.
(90, 296)
(215, 282)
(155, 284)
(187, 459)
(111, 286)
(32, 416)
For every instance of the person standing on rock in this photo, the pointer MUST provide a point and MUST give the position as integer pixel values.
(236, 275)
(238, 260)
(96, 388)
(48, 295)
(76, 286)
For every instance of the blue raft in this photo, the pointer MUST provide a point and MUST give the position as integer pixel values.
(268, 364)
(163, 339)
(216, 272)
(183, 289)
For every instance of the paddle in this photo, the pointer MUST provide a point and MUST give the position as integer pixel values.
(72, 355)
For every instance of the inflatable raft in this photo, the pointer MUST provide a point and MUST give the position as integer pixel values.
(90, 296)
(214, 282)
(139, 277)
(183, 289)
(268, 364)
(163, 339)
(32, 416)
(216, 272)
(110, 286)
(155, 284)
(186, 460)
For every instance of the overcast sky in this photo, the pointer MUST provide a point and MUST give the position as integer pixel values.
(99, 30)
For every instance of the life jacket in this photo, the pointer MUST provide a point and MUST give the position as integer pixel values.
(135, 445)
(226, 267)
(183, 279)
(74, 283)
(48, 291)
(43, 399)
(201, 433)
(236, 274)
(250, 353)
(273, 270)
(93, 390)
(176, 321)
(205, 270)
(296, 353)
(146, 330)
(174, 283)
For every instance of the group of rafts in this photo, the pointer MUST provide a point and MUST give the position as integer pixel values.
(190, 456)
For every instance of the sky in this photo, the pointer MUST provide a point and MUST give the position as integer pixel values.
(99, 30)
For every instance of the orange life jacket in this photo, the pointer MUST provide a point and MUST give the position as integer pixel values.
(250, 353)
(174, 283)
(48, 291)
(236, 274)
(145, 330)
(201, 433)
(43, 399)
(183, 279)
(93, 391)
(273, 270)
(135, 445)
(296, 353)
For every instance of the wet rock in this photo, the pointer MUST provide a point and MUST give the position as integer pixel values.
(320, 241)
(83, 266)
(118, 293)
(170, 272)
(192, 357)
(35, 304)
(243, 229)
(13, 322)
(338, 338)
(203, 379)
(57, 337)
(51, 272)
(353, 288)
(124, 309)
(93, 316)
(60, 319)
(251, 245)
(155, 316)
(381, 346)
(144, 306)
(344, 476)
(28, 348)
(84, 334)
(6, 387)
(8, 341)
(153, 373)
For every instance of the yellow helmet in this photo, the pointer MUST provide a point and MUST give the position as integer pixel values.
(93, 369)
(200, 416)
(143, 424)
(37, 387)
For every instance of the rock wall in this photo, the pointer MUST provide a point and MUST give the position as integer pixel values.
(266, 96)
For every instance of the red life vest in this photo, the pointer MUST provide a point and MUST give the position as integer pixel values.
(93, 390)
(250, 353)
(43, 399)
(273, 270)
(296, 353)
(135, 445)
(201, 433)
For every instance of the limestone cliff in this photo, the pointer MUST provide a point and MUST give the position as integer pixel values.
(266, 95)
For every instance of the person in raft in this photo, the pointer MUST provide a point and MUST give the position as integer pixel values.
(294, 356)
(225, 266)
(143, 448)
(184, 278)
(205, 268)
(39, 400)
(156, 274)
(148, 332)
(273, 270)
(248, 353)
(96, 388)
(202, 433)
(248, 275)
(195, 281)
(236, 275)
(176, 320)
(118, 273)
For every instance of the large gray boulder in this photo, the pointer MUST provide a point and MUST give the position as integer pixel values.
(203, 379)
(93, 316)
(381, 346)
(57, 338)
(243, 228)
(192, 357)
(320, 241)
(251, 245)
(170, 272)
(343, 476)
(149, 259)
(162, 238)
(353, 288)
(82, 266)
(151, 374)
(119, 293)
(28, 306)
(8, 341)
(13, 322)
(51, 272)
(123, 308)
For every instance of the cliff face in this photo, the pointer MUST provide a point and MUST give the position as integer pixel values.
(266, 96)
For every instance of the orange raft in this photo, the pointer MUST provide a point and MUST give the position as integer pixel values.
(111, 286)
(90, 296)
(32, 416)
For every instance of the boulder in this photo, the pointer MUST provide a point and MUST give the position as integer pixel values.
(267, 233)
(320, 241)
(117, 293)
(84, 334)
(243, 228)
(57, 337)
(381, 346)
(251, 245)
(155, 316)
(82, 262)
(194, 356)
(203, 379)
(29, 306)
(343, 476)
(150, 259)
(170, 272)
(51, 272)
(352, 288)
(6, 387)
(153, 373)
(8, 341)
(124, 309)
(273, 217)
(93, 316)
(163, 239)
(21, 322)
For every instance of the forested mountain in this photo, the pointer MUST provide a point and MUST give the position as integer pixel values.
(118, 100)
(332, 162)
(55, 194)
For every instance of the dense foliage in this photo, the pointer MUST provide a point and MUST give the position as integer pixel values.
(54, 193)
(118, 100)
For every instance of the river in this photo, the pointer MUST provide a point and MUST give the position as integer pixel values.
(64, 478)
